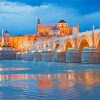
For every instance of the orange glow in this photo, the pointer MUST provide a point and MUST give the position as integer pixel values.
(62, 28)
(83, 44)
(43, 31)
(43, 83)
(98, 46)
(68, 45)
(56, 45)
(18, 42)
(89, 78)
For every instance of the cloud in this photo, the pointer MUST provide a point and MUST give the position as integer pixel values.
(81, 6)
(11, 8)
(20, 17)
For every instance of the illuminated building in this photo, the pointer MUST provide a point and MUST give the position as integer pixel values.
(4, 39)
(25, 42)
(59, 29)
(22, 42)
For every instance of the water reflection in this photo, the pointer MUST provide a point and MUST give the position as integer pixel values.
(63, 86)
(12, 69)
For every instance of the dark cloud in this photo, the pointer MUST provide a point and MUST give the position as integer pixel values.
(82, 6)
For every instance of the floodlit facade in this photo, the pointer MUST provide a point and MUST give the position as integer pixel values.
(59, 29)
(44, 32)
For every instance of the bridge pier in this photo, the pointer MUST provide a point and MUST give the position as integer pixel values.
(28, 56)
(90, 56)
(47, 56)
(99, 57)
(37, 56)
(59, 56)
(73, 56)
(19, 56)
(7, 55)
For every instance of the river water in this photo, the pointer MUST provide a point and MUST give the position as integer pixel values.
(28, 80)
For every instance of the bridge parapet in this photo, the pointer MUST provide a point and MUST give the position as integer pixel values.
(74, 39)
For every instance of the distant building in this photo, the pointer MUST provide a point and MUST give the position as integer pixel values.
(59, 29)
(4, 38)
(22, 42)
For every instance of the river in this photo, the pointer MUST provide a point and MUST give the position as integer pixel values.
(28, 80)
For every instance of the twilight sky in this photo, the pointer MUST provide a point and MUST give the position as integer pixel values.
(20, 16)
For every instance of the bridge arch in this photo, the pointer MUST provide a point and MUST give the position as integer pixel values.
(68, 44)
(56, 45)
(84, 43)
(45, 46)
(98, 44)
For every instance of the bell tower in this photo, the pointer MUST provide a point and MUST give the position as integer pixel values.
(6, 37)
(38, 23)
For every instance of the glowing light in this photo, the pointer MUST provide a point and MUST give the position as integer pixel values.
(58, 50)
(39, 51)
(0, 48)
(32, 51)
(69, 48)
(18, 52)
(49, 50)
(86, 47)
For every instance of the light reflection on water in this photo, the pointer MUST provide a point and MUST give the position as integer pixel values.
(68, 85)
(11, 69)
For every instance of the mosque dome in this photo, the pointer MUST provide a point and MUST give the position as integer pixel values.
(6, 31)
(62, 21)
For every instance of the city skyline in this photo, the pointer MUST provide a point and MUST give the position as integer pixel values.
(20, 16)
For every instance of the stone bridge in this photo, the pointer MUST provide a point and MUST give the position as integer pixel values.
(76, 48)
